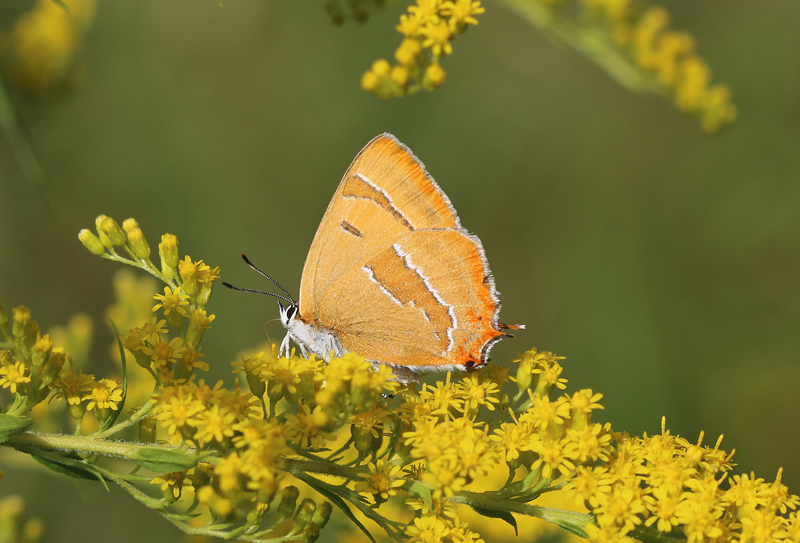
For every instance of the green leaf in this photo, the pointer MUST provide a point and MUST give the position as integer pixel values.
(109, 422)
(162, 460)
(419, 490)
(11, 426)
(82, 471)
(503, 515)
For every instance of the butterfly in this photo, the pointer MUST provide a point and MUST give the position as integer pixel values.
(392, 275)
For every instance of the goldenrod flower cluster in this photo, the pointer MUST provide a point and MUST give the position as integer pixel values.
(271, 462)
(428, 31)
(675, 486)
(31, 368)
(189, 284)
(40, 52)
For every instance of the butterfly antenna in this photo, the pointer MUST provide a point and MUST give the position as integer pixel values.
(290, 300)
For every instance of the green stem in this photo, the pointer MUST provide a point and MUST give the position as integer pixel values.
(80, 444)
(593, 42)
(136, 417)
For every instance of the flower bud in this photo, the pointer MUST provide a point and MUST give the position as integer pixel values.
(203, 294)
(434, 76)
(304, 513)
(139, 244)
(370, 81)
(77, 411)
(189, 275)
(525, 374)
(129, 225)
(91, 242)
(311, 532)
(266, 491)
(110, 228)
(32, 333)
(364, 442)
(168, 250)
(256, 385)
(147, 430)
(41, 350)
(255, 516)
(322, 515)
(288, 501)
(20, 316)
(52, 368)
(198, 324)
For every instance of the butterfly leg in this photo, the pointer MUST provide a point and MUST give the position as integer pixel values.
(284, 350)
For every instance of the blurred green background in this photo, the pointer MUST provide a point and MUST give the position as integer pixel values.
(664, 264)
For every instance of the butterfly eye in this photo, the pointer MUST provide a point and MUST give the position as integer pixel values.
(290, 312)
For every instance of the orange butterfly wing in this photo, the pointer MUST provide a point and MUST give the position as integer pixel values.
(392, 273)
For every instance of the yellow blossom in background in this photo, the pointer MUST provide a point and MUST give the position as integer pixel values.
(631, 41)
(44, 42)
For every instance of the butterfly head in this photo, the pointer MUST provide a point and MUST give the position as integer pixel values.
(288, 314)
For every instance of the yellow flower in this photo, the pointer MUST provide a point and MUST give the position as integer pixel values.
(428, 529)
(552, 459)
(152, 330)
(588, 445)
(229, 471)
(71, 386)
(778, 495)
(306, 428)
(409, 25)
(437, 37)
(425, 10)
(479, 393)
(172, 302)
(547, 416)
(215, 423)
(13, 376)
(243, 405)
(589, 484)
(511, 438)
(259, 433)
(104, 394)
(172, 483)
(163, 353)
(178, 411)
(443, 398)
(190, 360)
(382, 481)
(663, 504)
(462, 12)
